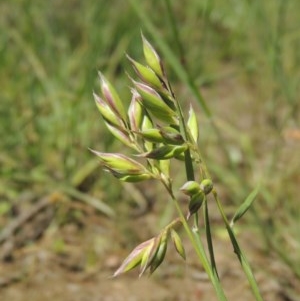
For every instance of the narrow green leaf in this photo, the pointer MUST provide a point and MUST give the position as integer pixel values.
(245, 205)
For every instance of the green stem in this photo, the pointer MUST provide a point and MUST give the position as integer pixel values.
(241, 256)
(209, 238)
(194, 237)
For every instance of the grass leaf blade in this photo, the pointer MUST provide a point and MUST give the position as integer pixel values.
(245, 205)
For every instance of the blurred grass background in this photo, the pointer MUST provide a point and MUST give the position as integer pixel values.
(243, 55)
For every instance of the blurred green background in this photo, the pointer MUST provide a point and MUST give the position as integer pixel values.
(243, 56)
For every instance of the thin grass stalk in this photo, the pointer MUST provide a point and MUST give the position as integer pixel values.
(242, 258)
(240, 254)
(212, 274)
(194, 236)
(209, 238)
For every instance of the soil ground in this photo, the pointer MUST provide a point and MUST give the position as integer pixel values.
(80, 268)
